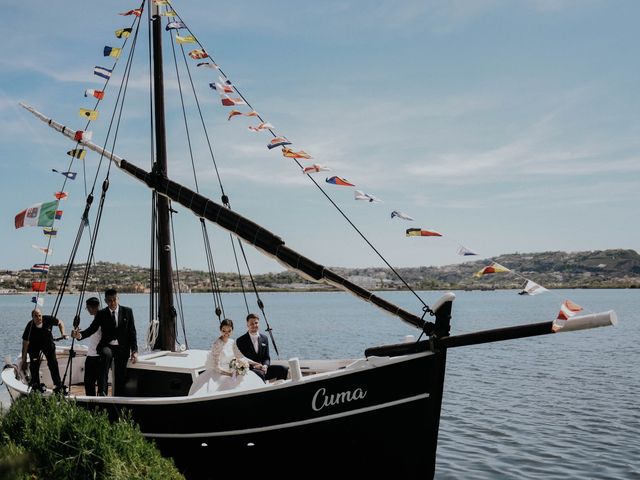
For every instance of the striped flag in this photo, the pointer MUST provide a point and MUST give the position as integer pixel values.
(38, 215)
(287, 152)
(123, 33)
(50, 232)
(58, 214)
(532, 288)
(102, 72)
(90, 114)
(227, 101)
(567, 310)
(99, 94)
(79, 153)
(40, 268)
(112, 52)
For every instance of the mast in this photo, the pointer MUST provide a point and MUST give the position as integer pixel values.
(167, 314)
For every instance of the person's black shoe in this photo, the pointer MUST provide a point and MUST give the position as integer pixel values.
(61, 389)
(39, 387)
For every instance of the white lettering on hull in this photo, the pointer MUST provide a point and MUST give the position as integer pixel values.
(321, 399)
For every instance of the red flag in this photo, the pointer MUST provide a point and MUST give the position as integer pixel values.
(137, 12)
(567, 310)
(198, 54)
(61, 195)
(38, 286)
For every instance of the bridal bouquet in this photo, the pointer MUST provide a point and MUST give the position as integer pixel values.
(238, 366)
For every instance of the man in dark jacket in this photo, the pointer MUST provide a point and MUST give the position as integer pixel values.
(36, 339)
(118, 343)
(255, 346)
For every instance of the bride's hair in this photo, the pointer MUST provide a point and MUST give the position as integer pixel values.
(227, 322)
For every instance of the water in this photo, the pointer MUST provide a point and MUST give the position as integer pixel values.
(554, 407)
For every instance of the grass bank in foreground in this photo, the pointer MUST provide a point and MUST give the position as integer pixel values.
(44, 438)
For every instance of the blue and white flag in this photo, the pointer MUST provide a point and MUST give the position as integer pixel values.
(69, 175)
(38, 301)
(102, 72)
(174, 26)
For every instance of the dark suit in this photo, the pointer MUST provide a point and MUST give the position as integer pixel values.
(125, 334)
(245, 345)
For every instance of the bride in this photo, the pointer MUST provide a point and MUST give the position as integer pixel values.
(227, 368)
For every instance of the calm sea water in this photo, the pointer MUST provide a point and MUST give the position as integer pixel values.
(554, 407)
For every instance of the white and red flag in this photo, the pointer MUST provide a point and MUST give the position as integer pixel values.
(567, 310)
(227, 101)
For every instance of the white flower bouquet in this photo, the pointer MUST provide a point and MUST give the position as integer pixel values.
(238, 366)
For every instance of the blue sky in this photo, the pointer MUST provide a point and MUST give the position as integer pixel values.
(506, 125)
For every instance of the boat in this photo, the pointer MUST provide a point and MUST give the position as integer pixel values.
(329, 417)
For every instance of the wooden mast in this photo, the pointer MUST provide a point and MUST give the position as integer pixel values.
(166, 339)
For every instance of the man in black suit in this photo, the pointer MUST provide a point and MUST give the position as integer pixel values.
(255, 346)
(118, 343)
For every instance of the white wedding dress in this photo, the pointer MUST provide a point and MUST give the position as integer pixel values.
(219, 377)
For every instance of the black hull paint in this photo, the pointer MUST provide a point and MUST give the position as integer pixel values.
(391, 406)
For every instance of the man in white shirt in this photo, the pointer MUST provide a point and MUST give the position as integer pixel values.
(93, 364)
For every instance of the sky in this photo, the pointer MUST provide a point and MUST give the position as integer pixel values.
(508, 126)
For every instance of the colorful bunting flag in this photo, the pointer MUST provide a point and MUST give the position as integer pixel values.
(38, 215)
(40, 268)
(79, 153)
(493, 268)
(465, 252)
(567, 310)
(287, 152)
(38, 286)
(69, 175)
(161, 3)
(112, 52)
(82, 136)
(208, 65)
(102, 72)
(45, 250)
(419, 232)
(198, 54)
(261, 127)
(227, 101)
(38, 301)
(169, 13)
(532, 288)
(316, 167)
(50, 232)
(278, 142)
(399, 214)
(339, 181)
(58, 214)
(233, 113)
(360, 195)
(186, 39)
(137, 12)
(61, 195)
(99, 94)
(123, 33)
(174, 26)
(221, 88)
(90, 114)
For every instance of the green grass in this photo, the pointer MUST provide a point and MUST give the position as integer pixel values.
(45, 438)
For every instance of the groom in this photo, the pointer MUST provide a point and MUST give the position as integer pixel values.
(255, 346)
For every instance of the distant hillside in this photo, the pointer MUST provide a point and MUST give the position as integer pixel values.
(594, 269)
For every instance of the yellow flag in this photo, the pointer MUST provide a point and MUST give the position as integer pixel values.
(169, 13)
(123, 33)
(112, 52)
(90, 114)
(161, 2)
(186, 39)
(79, 153)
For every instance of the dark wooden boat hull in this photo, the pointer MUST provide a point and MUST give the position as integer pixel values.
(364, 419)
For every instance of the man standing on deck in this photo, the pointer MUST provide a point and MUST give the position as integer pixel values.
(119, 341)
(36, 340)
(93, 364)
